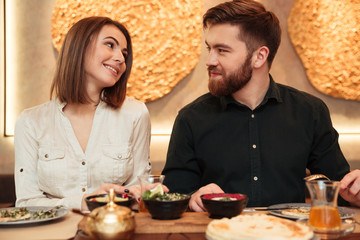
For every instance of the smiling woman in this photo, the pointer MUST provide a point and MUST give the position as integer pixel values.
(102, 40)
(159, 30)
(104, 63)
(90, 137)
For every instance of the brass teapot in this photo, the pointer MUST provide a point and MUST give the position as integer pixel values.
(111, 221)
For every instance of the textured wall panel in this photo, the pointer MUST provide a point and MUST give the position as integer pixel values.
(326, 36)
(166, 38)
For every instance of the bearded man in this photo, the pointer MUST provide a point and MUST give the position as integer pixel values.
(250, 134)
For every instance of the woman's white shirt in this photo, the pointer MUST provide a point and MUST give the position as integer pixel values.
(52, 169)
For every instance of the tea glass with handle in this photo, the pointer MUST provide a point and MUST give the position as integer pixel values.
(324, 213)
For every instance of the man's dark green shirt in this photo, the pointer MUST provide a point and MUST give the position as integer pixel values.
(263, 152)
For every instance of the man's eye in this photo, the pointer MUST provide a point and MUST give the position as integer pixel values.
(222, 50)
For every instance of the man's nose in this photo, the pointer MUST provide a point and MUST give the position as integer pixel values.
(212, 59)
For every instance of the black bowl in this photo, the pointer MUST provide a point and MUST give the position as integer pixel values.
(168, 209)
(92, 204)
(224, 208)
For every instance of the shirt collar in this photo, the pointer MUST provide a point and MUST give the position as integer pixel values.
(272, 93)
(60, 105)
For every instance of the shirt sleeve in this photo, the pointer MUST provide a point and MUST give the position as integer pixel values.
(326, 156)
(28, 192)
(141, 147)
(182, 172)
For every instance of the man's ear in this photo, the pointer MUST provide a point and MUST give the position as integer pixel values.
(260, 56)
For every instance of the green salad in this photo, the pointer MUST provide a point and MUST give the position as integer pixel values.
(148, 195)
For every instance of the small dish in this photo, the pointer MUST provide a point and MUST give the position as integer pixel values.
(219, 208)
(167, 209)
(347, 227)
(92, 203)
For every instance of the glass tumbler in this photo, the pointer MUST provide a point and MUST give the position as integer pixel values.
(148, 182)
(324, 213)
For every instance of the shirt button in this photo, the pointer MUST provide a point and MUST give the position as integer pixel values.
(254, 146)
(46, 155)
(83, 163)
(255, 178)
(83, 189)
(252, 116)
(119, 156)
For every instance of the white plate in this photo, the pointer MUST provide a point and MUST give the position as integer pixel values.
(314, 238)
(344, 211)
(61, 212)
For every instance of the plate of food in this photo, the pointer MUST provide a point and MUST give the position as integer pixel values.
(302, 210)
(258, 226)
(31, 215)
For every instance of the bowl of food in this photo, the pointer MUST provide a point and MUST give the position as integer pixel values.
(166, 205)
(96, 201)
(221, 205)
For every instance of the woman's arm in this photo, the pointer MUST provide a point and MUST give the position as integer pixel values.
(141, 146)
(28, 192)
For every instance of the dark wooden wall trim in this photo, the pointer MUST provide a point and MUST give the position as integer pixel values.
(7, 190)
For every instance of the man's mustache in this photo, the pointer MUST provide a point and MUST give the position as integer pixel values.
(210, 68)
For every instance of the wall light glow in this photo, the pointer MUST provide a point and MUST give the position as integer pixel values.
(10, 69)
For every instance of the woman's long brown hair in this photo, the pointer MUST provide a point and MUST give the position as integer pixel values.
(69, 80)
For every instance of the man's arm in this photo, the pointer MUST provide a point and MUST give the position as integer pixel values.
(326, 156)
(182, 172)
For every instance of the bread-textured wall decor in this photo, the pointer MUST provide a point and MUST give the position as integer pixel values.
(166, 38)
(326, 36)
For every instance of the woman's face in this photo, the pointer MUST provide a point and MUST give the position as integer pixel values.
(105, 59)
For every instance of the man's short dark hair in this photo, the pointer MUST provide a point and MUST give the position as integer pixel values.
(258, 27)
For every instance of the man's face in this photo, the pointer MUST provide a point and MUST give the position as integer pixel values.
(229, 63)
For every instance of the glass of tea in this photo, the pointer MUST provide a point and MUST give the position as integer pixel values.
(324, 213)
(148, 183)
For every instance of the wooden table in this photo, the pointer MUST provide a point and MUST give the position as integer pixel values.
(190, 226)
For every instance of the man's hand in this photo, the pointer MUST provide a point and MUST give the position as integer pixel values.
(195, 200)
(350, 187)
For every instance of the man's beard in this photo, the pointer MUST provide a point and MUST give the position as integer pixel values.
(233, 82)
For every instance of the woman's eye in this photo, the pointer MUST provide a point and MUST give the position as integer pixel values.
(109, 44)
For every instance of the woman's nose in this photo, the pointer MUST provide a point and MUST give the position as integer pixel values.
(119, 57)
